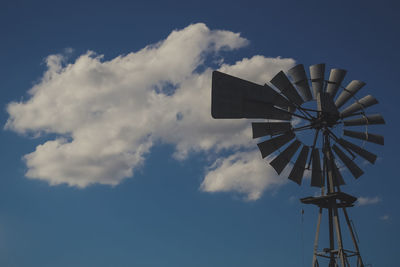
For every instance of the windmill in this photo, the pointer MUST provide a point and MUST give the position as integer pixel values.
(295, 115)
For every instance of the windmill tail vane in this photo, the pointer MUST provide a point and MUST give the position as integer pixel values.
(327, 116)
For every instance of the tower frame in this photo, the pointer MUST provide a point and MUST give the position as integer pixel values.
(333, 199)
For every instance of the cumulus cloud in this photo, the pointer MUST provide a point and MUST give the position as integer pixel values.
(243, 173)
(362, 201)
(106, 115)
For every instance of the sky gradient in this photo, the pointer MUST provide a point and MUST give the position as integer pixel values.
(110, 156)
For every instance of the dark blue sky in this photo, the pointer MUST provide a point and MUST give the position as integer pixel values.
(160, 217)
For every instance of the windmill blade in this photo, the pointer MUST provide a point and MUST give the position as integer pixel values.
(335, 80)
(282, 82)
(273, 144)
(317, 73)
(359, 150)
(354, 169)
(338, 178)
(363, 103)
(280, 162)
(351, 89)
(297, 172)
(325, 104)
(365, 120)
(316, 174)
(374, 138)
(300, 79)
(270, 128)
(234, 98)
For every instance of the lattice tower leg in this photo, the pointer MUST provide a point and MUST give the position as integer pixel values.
(359, 259)
(315, 262)
(333, 212)
(333, 188)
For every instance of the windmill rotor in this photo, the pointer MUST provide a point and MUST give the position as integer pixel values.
(289, 98)
(308, 129)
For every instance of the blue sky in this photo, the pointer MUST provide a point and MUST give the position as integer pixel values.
(124, 162)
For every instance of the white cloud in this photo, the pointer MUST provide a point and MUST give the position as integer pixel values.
(362, 201)
(106, 115)
(241, 172)
(385, 217)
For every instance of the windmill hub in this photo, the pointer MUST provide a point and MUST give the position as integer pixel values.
(326, 120)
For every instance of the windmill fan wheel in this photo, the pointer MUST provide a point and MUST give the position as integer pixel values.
(289, 99)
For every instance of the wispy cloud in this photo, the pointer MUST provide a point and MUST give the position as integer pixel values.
(227, 174)
(106, 115)
(362, 201)
(385, 217)
(293, 199)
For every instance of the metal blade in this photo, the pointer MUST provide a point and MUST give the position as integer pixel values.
(325, 104)
(363, 103)
(365, 120)
(374, 138)
(335, 80)
(300, 79)
(234, 98)
(359, 150)
(317, 73)
(337, 175)
(280, 162)
(269, 128)
(354, 169)
(320, 99)
(282, 82)
(273, 144)
(351, 89)
(316, 174)
(296, 175)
